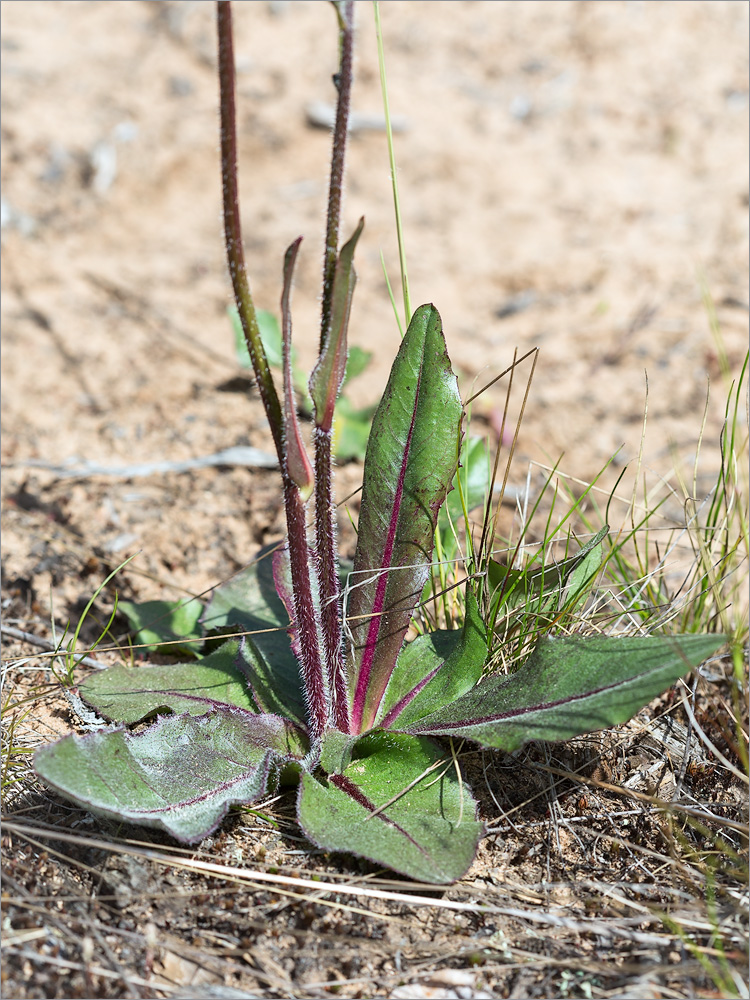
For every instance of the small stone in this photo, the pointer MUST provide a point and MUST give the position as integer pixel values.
(451, 978)
(420, 991)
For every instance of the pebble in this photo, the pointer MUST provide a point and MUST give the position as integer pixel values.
(443, 984)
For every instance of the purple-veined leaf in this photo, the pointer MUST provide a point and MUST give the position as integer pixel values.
(411, 458)
(434, 670)
(569, 686)
(180, 775)
(129, 694)
(398, 803)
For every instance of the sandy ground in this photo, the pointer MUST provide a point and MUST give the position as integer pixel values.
(574, 177)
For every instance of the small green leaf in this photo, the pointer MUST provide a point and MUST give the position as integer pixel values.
(545, 585)
(336, 751)
(399, 803)
(581, 578)
(160, 625)
(180, 775)
(570, 686)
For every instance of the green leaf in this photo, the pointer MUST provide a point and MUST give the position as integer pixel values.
(249, 602)
(411, 458)
(569, 686)
(160, 625)
(581, 578)
(399, 803)
(180, 775)
(294, 460)
(336, 750)
(129, 694)
(434, 670)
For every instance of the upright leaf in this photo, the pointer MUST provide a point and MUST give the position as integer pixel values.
(568, 687)
(296, 464)
(411, 459)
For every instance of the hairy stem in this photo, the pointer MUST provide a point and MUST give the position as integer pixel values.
(325, 514)
(307, 615)
(233, 227)
(344, 77)
(325, 518)
(306, 609)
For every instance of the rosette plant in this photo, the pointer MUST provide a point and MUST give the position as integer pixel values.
(306, 679)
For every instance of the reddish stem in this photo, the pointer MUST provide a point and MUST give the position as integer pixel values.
(307, 612)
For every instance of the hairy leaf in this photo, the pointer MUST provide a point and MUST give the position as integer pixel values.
(336, 750)
(295, 462)
(180, 775)
(568, 687)
(411, 458)
(398, 803)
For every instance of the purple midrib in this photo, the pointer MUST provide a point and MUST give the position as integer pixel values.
(368, 655)
(400, 705)
(347, 786)
(514, 713)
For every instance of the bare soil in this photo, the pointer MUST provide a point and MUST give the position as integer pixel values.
(574, 177)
